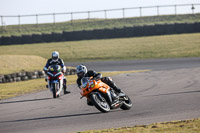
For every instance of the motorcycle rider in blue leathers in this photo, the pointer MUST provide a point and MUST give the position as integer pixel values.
(55, 60)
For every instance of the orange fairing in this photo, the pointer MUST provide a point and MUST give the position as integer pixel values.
(92, 85)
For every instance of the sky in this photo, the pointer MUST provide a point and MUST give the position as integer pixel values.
(27, 7)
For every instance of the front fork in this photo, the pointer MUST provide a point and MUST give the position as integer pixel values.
(59, 87)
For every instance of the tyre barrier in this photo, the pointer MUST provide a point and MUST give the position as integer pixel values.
(23, 76)
(134, 31)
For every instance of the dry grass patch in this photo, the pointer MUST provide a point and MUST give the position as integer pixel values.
(16, 63)
(185, 126)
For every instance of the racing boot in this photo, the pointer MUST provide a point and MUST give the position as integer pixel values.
(119, 91)
(109, 82)
(46, 81)
(65, 86)
(65, 91)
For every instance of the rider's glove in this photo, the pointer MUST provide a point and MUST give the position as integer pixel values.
(45, 70)
(64, 69)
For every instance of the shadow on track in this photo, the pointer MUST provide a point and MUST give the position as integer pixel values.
(52, 117)
(186, 92)
(29, 100)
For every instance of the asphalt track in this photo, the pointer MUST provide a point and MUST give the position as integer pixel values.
(170, 91)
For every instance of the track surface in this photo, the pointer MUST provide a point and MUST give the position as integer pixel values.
(171, 91)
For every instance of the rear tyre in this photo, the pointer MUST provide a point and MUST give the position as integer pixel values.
(127, 103)
(100, 102)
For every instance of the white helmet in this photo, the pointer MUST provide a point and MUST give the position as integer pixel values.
(55, 56)
(81, 68)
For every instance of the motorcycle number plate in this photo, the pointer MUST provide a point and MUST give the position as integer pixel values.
(55, 81)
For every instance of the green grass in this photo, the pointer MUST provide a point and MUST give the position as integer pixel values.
(168, 46)
(97, 24)
(185, 126)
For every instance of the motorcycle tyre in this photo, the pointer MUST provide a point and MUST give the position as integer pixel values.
(54, 90)
(99, 107)
(127, 104)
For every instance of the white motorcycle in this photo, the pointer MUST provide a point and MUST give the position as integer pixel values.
(55, 80)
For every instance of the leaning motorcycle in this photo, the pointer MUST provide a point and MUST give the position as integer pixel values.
(55, 78)
(102, 96)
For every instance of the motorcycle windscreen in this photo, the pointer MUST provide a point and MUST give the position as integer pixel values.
(84, 81)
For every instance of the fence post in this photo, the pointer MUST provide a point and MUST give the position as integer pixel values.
(88, 16)
(105, 15)
(2, 21)
(36, 20)
(175, 9)
(140, 11)
(71, 17)
(54, 18)
(123, 13)
(192, 9)
(158, 10)
(19, 22)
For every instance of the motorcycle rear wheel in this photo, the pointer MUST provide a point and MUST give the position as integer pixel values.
(100, 103)
(127, 103)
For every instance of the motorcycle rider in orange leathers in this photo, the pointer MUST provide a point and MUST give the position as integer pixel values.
(81, 71)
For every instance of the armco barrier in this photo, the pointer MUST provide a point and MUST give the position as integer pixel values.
(148, 30)
(23, 76)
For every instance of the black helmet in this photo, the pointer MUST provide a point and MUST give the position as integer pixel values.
(81, 70)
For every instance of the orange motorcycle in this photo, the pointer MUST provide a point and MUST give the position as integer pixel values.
(102, 96)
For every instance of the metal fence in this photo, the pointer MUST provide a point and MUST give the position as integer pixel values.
(100, 14)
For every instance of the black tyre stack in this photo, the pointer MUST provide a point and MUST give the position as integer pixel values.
(24, 75)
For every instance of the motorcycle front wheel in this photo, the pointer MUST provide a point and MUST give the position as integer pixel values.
(100, 102)
(54, 90)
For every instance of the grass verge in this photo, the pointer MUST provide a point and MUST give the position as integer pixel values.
(10, 90)
(16, 63)
(185, 126)
(168, 46)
